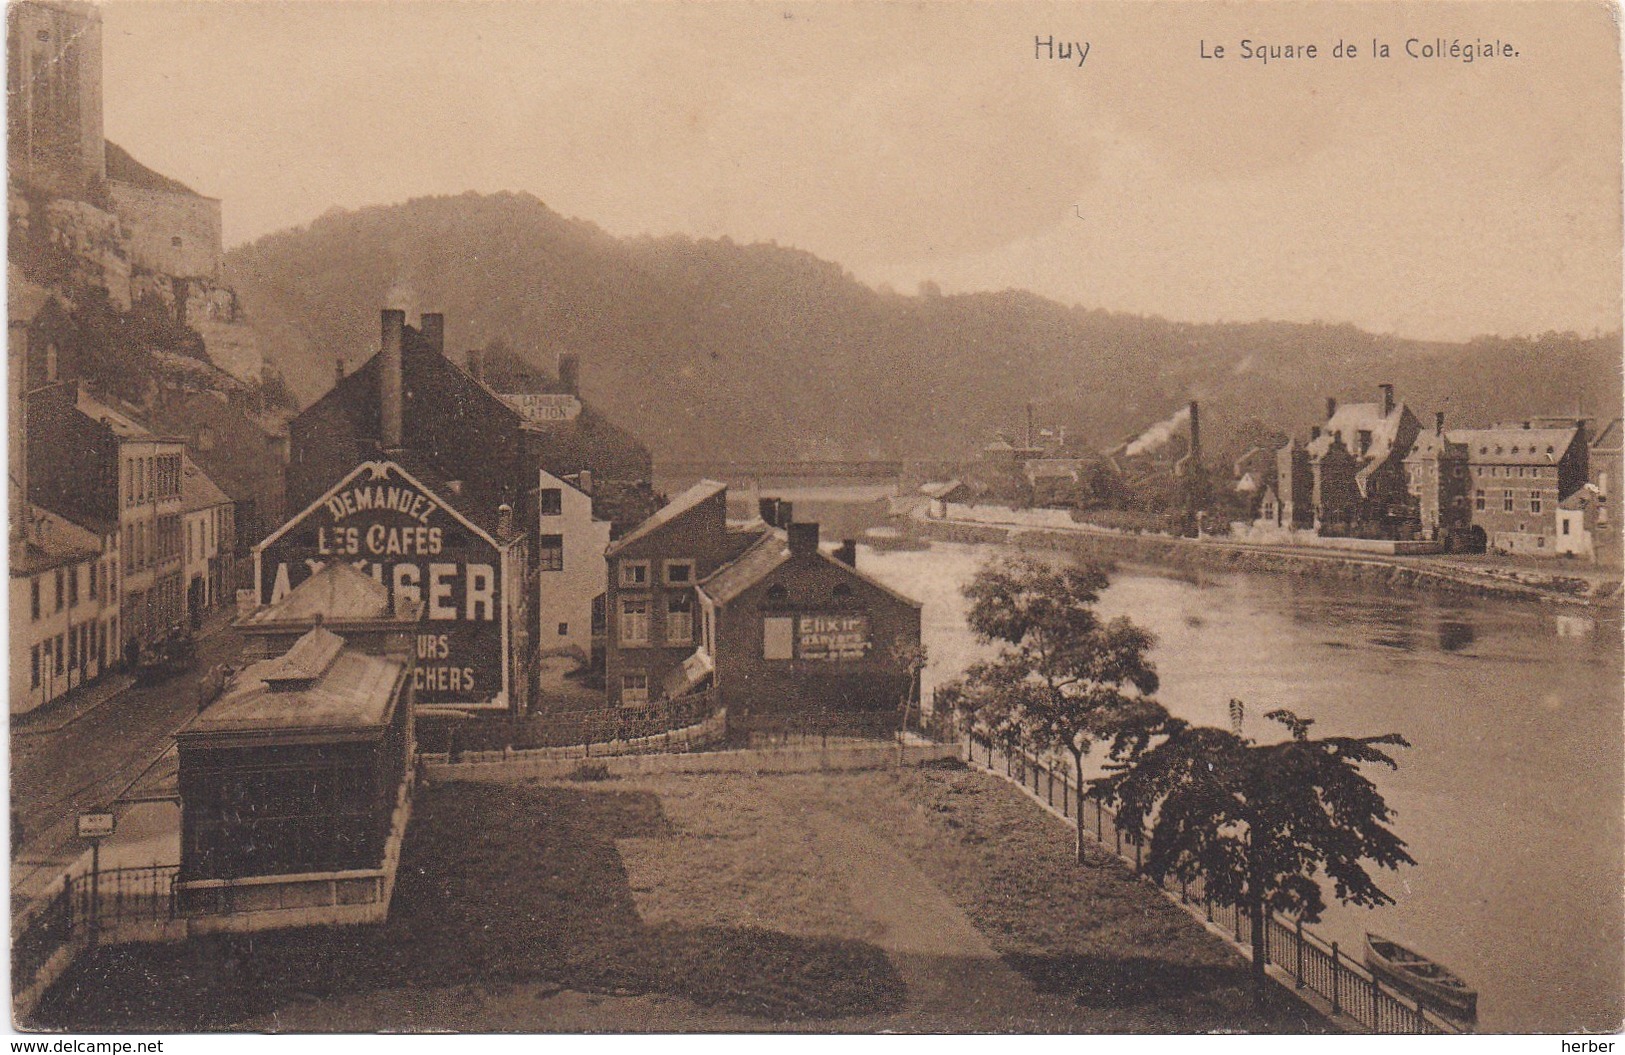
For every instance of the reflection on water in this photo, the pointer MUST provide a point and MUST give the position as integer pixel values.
(1510, 797)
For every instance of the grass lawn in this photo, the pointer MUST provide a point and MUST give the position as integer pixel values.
(725, 901)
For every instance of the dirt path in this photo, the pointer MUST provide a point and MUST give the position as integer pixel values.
(955, 980)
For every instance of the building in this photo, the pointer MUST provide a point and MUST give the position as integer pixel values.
(340, 597)
(1357, 464)
(54, 96)
(1438, 470)
(295, 787)
(570, 565)
(423, 543)
(1294, 505)
(1608, 476)
(210, 569)
(942, 494)
(172, 230)
(100, 468)
(792, 633)
(1577, 523)
(652, 607)
(452, 420)
(64, 609)
(243, 453)
(1519, 475)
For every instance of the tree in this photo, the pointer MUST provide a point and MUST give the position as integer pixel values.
(1064, 679)
(1258, 822)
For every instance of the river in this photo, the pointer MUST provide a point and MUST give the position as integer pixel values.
(1510, 797)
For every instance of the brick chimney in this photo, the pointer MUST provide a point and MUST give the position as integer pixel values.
(389, 378)
(476, 364)
(786, 514)
(1438, 423)
(847, 553)
(1387, 399)
(803, 539)
(504, 522)
(432, 327)
(768, 510)
(1331, 407)
(1196, 434)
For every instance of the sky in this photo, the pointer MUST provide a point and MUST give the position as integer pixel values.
(910, 142)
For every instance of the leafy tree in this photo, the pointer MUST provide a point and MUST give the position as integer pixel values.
(1064, 679)
(1258, 822)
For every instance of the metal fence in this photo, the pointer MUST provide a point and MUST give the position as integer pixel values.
(1314, 964)
(87, 906)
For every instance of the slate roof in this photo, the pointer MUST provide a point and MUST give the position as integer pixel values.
(197, 490)
(1609, 438)
(123, 168)
(766, 555)
(339, 593)
(684, 502)
(1353, 418)
(1512, 445)
(54, 542)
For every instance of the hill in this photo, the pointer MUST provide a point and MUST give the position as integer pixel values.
(707, 348)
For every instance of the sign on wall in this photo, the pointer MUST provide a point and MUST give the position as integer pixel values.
(833, 637)
(390, 526)
(540, 406)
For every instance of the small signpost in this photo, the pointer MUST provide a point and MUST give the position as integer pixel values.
(95, 827)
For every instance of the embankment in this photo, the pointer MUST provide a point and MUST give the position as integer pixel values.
(1207, 554)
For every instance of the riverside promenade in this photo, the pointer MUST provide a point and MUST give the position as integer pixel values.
(1555, 581)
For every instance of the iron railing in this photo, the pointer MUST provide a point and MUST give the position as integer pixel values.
(1312, 963)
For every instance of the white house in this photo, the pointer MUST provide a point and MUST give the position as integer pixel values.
(570, 565)
(209, 513)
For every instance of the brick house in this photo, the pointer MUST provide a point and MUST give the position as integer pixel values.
(652, 608)
(1360, 486)
(1439, 475)
(1519, 475)
(792, 632)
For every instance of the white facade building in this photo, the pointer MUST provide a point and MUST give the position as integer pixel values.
(571, 570)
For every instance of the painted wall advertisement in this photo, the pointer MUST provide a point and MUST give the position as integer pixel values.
(833, 637)
(391, 527)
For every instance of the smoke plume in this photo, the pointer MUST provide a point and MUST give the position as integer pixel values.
(1158, 434)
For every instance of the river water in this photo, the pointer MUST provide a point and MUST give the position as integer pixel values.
(1510, 797)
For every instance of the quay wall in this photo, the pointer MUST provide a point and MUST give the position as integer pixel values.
(1206, 554)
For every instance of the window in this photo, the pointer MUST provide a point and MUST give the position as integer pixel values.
(634, 688)
(777, 637)
(1534, 501)
(634, 573)
(60, 657)
(73, 586)
(33, 599)
(634, 620)
(552, 502)
(550, 553)
(33, 667)
(679, 572)
(1565, 526)
(680, 619)
(175, 241)
(61, 589)
(1506, 501)
(564, 629)
(73, 648)
(94, 594)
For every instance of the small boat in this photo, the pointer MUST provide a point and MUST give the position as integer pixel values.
(1433, 984)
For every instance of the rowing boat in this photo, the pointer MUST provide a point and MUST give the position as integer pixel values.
(1431, 983)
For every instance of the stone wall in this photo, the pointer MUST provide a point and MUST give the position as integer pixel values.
(170, 233)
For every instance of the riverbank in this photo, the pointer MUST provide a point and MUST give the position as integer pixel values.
(1586, 588)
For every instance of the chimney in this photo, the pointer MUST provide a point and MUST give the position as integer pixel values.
(1387, 399)
(570, 374)
(1438, 423)
(338, 370)
(389, 378)
(803, 539)
(786, 515)
(432, 327)
(504, 522)
(1029, 426)
(1196, 434)
(1331, 407)
(476, 364)
(768, 510)
(847, 554)
(584, 482)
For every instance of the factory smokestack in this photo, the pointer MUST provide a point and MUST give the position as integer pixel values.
(1196, 435)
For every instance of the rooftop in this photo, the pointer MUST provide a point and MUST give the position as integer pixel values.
(1514, 445)
(684, 502)
(53, 541)
(766, 555)
(197, 490)
(339, 593)
(319, 688)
